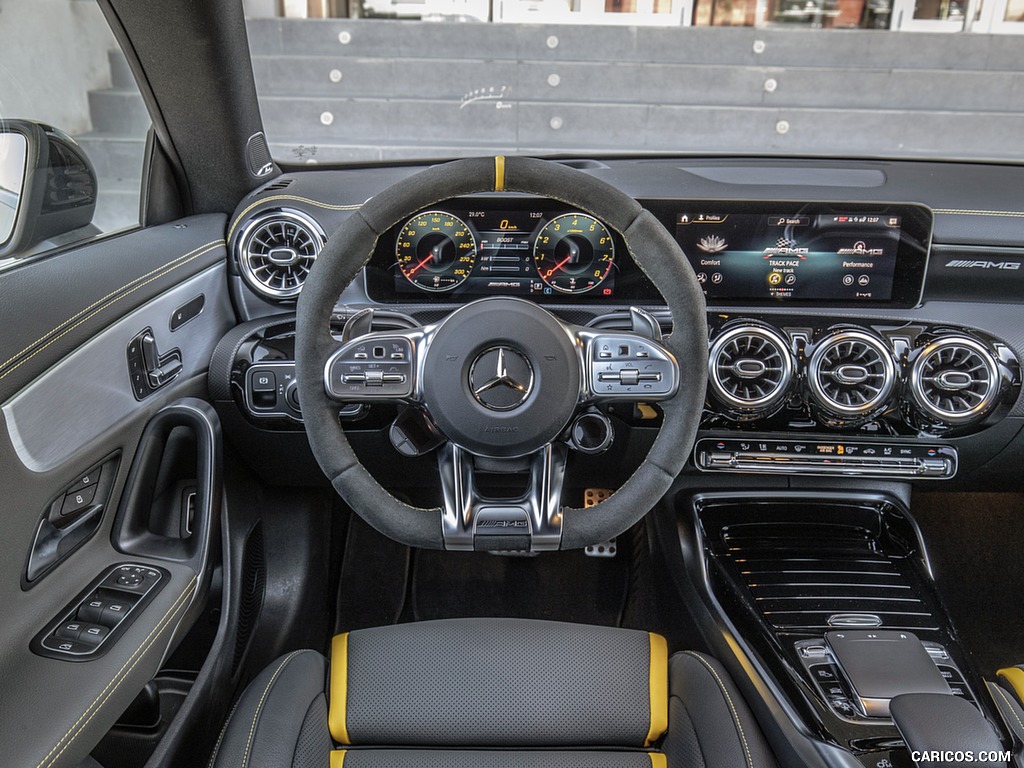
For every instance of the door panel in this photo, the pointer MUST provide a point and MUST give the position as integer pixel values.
(67, 404)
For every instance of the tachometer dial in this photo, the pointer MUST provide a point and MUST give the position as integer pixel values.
(436, 251)
(574, 253)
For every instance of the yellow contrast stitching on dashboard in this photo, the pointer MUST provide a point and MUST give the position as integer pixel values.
(96, 303)
(120, 677)
(295, 198)
(970, 212)
(166, 271)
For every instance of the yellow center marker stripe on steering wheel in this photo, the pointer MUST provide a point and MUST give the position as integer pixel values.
(499, 173)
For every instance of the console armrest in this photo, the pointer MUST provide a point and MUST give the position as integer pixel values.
(944, 730)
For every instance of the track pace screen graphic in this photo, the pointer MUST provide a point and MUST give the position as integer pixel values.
(848, 257)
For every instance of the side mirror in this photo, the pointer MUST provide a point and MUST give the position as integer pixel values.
(47, 186)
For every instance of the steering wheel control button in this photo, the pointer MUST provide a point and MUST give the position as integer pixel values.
(77, 501)
(630, 366)
(501, 378)
(371, 367)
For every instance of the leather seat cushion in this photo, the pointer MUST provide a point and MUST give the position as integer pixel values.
(499, 683)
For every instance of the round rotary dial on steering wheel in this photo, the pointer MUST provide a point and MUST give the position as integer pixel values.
(502, 378)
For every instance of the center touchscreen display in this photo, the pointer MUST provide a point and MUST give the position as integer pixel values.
(838, 256)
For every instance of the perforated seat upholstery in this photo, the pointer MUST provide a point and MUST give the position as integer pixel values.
(469, 693)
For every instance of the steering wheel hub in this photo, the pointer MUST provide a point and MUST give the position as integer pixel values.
(501, 377)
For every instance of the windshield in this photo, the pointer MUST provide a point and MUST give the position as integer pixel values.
(449, 78)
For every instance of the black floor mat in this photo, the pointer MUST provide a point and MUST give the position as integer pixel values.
(382, 582)
(975, 541)
(561, 586)
(374, 574)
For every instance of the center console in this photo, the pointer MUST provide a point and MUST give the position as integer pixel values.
(831, 596)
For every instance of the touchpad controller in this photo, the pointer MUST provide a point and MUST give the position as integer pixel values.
(882, 664)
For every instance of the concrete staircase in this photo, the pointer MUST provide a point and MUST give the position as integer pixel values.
(365, 90)
(383, 89)
(115, 145)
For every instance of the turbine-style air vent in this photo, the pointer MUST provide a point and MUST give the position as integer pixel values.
(750, 368)
(851, 373)
(276, 251)
(955, 380)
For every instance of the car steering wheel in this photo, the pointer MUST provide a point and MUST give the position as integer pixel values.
(501, 377)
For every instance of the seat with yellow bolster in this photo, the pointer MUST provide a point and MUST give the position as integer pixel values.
(470, 693)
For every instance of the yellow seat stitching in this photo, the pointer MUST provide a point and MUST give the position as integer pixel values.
(1009, 703)
(100, 301)
(259, 707)
(140, 651)
(728, 699)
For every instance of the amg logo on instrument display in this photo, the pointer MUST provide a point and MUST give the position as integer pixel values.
(965, 264)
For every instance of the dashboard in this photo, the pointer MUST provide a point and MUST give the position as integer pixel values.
(863, 313)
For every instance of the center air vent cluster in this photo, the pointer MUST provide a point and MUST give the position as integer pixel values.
(905, 380)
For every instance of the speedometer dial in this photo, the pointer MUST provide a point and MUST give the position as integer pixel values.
(574, 253)
(436, 251)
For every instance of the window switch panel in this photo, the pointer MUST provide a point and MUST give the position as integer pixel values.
(93, 621)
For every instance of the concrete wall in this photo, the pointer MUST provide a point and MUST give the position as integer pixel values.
(363, 89)
(52, 53)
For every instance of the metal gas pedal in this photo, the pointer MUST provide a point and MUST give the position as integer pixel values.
(591, 496)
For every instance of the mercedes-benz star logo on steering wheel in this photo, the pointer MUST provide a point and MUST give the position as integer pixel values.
(501, 378)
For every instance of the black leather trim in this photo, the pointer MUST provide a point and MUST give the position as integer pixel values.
(500, 683)
(1009, 710)
(51, 305)
(727, 734)
(265, 727)
(391, 671)
(943, 723)
(441, 758)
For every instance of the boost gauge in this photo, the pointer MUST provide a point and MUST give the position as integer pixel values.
(435, 251)
(574, 253)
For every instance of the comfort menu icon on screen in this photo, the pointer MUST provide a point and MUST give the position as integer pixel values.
(712, 244)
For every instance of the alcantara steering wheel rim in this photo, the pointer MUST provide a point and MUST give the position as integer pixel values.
(654, 251)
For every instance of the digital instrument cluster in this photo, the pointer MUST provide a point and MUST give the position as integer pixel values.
(483, 250)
